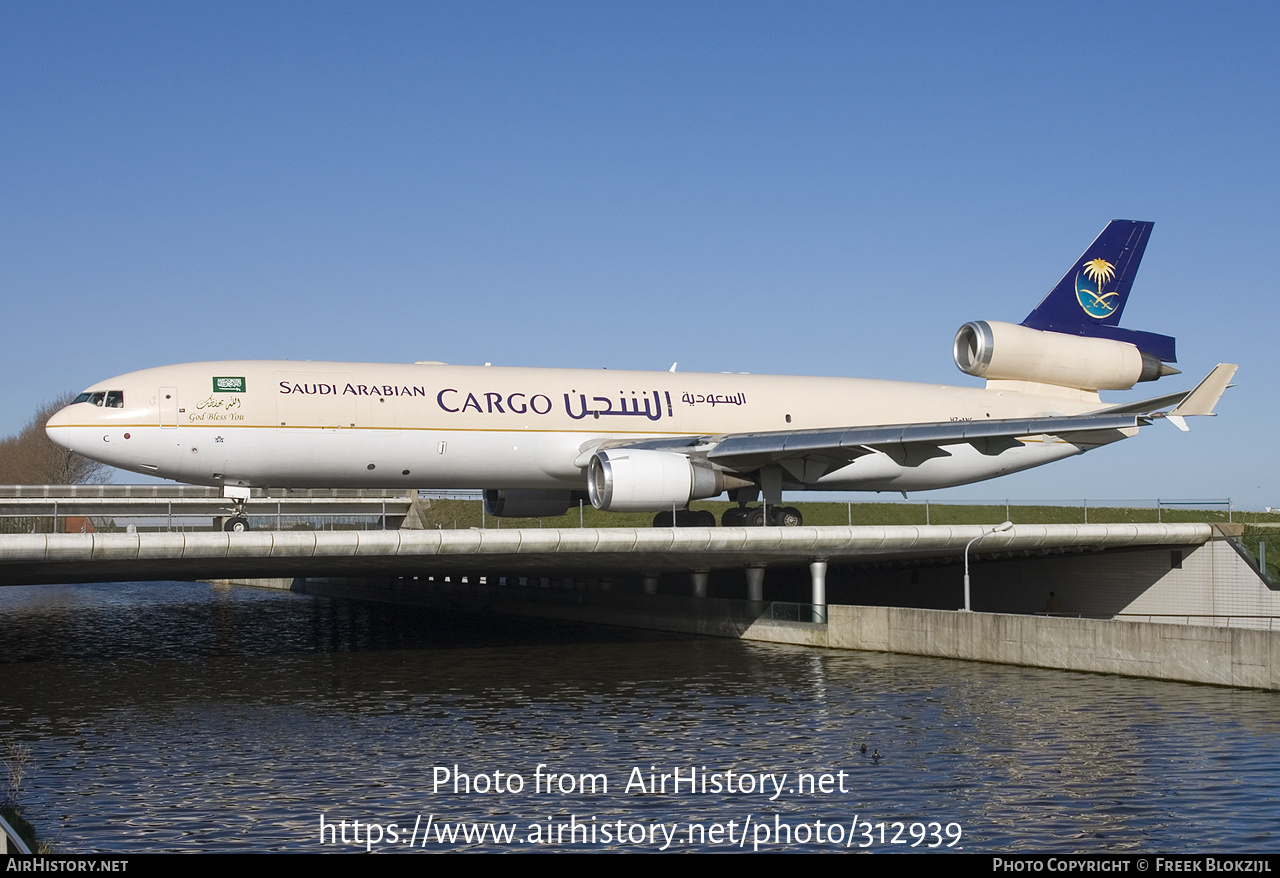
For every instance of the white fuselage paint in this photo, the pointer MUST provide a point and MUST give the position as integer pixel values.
(304, 424)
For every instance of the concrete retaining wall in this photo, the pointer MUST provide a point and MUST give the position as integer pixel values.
(1186, 653)
(1189, 653)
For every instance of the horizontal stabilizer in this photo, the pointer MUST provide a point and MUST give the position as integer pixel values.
(1146, 406)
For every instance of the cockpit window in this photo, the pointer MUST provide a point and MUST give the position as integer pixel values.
(112, 399)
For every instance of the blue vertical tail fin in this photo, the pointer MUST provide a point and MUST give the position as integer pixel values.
(1091, 296)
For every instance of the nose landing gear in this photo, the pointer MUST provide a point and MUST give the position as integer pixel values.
(238, 522)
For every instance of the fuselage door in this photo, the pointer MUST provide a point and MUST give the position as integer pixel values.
(168, 406)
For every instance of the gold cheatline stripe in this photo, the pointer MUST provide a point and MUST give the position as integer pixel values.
(417, 429)
(1027, 439)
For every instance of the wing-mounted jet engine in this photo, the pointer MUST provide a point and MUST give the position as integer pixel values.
(642, 480)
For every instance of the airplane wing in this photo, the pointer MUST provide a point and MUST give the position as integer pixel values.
(807, 455)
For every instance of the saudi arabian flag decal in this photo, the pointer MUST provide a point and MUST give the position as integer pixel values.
(228, 385)
(1090, 283)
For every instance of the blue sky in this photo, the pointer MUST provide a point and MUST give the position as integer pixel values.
(828, 189)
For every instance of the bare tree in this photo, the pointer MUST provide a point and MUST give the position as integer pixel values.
(31, 458)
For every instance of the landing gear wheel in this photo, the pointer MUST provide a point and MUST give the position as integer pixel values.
(754, 517)
(734, 517)
(685, 518)
(787, 516)
(238, 524)
(703, 518)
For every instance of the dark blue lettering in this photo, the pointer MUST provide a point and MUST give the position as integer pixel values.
(440, 399)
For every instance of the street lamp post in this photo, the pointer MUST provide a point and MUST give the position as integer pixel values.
(999, 528)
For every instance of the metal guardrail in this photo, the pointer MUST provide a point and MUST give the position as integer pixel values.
(185, 521)
(41, 514)
(1084, 504)
(110, 508)
(1263, 623)
(194, 491)
(9, 836)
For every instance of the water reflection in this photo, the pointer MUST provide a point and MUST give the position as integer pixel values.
(175, 716)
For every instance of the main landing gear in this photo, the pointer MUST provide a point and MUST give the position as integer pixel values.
(741, 516)
(771, 513)
(754, 516)
(685, 518)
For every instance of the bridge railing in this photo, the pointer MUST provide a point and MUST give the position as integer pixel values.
(10, 841)
(177, 521)
(1265, 623)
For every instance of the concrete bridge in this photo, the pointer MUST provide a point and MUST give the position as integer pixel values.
(880, 588)
(586, 553)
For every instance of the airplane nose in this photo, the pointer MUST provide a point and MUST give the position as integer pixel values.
(57, 428)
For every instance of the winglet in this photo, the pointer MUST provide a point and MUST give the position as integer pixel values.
(1207, 393)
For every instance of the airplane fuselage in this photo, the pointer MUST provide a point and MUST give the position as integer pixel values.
(301, 424)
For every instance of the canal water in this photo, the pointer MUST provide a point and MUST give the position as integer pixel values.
(184, 717)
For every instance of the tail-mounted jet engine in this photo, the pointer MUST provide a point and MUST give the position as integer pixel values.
(995, 350)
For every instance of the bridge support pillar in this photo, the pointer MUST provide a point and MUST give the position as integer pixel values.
(818, 577)
(700, 577)
(755, 582)
(651, 583)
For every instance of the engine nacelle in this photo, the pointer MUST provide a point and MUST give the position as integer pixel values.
(995, 350)
(640, 480)
(521, 503)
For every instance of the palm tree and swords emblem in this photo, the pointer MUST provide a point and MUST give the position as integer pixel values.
(1095, 302)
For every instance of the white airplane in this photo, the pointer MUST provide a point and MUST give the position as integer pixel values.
(538, 440)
